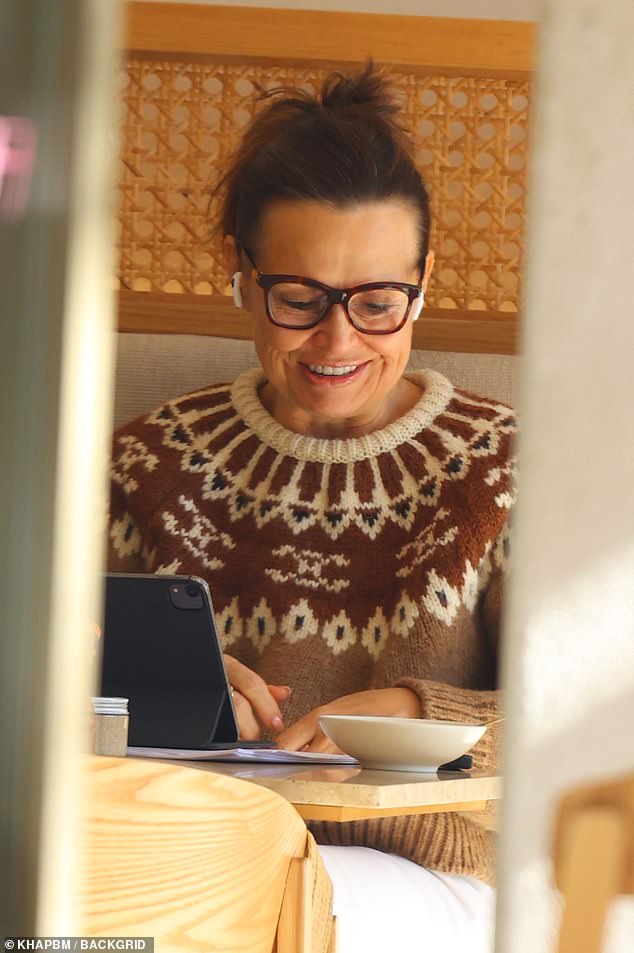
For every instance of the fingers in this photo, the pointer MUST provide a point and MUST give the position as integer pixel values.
(249, 729)
(306, 735)
(321, 744)
(262, 698)
(301, 735)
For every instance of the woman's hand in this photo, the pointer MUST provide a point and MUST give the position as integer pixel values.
(256, 703)
(306, 735)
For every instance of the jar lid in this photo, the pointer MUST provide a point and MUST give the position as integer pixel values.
(110, 706)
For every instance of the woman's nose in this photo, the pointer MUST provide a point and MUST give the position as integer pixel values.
(335, 329)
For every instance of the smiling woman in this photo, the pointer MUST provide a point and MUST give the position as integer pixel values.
(350, 516)
(330, 202)
(339, 371)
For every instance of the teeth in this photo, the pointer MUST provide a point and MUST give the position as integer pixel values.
(329, 371)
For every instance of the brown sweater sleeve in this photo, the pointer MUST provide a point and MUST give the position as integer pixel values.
(447, 703)
(125, 543)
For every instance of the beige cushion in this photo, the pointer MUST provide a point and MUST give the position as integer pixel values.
(151, 368)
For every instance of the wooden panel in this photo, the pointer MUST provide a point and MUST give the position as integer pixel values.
(426, 43)
(215, 316)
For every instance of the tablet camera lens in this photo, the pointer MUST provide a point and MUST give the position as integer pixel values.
(187, 596)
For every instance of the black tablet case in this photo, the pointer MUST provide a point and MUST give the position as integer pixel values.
(167, 661)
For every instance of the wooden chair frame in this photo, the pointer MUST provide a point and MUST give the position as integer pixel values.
(593, 853)
(202, 862)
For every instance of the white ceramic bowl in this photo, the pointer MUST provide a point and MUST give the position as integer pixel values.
(400, 744)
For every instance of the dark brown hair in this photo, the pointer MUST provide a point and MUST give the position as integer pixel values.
(344, 147)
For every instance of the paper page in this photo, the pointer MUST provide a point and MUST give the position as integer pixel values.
(259, 755)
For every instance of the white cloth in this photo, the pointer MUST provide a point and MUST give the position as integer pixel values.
(387, 903)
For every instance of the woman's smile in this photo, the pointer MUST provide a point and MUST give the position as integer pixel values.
(333, 374)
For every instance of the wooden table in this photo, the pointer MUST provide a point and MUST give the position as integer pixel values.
(351, 793)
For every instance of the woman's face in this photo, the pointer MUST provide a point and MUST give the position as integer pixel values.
(342, 248)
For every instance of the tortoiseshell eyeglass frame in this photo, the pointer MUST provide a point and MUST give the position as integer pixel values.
(333, 296)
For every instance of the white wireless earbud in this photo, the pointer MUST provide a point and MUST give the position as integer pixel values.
(417, 307)
(236, 289)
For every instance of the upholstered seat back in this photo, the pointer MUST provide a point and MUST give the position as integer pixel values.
(152, 368)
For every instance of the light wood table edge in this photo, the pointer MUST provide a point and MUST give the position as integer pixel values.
(348, 800)
(327, 812)
(374, 795)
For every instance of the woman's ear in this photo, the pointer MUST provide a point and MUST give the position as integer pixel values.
(234, 267)
(429, 267)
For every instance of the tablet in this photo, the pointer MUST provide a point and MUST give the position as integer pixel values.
(161, 651)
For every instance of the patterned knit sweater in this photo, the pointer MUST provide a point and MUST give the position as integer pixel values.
(339, 565)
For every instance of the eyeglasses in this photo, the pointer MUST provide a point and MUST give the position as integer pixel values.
(378, 307)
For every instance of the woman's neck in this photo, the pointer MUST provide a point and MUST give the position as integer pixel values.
(402, 399)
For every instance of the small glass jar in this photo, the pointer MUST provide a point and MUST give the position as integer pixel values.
(109, 726)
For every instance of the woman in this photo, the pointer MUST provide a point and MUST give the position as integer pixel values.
(349, 516)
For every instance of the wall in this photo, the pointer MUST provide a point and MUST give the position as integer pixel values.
(485, 9)
(56, 315)
(570, 660)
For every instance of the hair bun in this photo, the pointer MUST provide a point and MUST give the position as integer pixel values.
(342, 146)
(366, 94)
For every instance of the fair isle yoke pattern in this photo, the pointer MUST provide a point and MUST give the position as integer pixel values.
(338, 566)
(306, 519)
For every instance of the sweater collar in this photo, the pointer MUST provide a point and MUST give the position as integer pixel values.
(437, 392)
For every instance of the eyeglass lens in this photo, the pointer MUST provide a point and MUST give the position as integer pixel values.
(300, 306)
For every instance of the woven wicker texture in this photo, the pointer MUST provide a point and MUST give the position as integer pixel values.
(181, 121)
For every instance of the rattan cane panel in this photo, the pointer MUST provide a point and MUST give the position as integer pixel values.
(181, 122)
